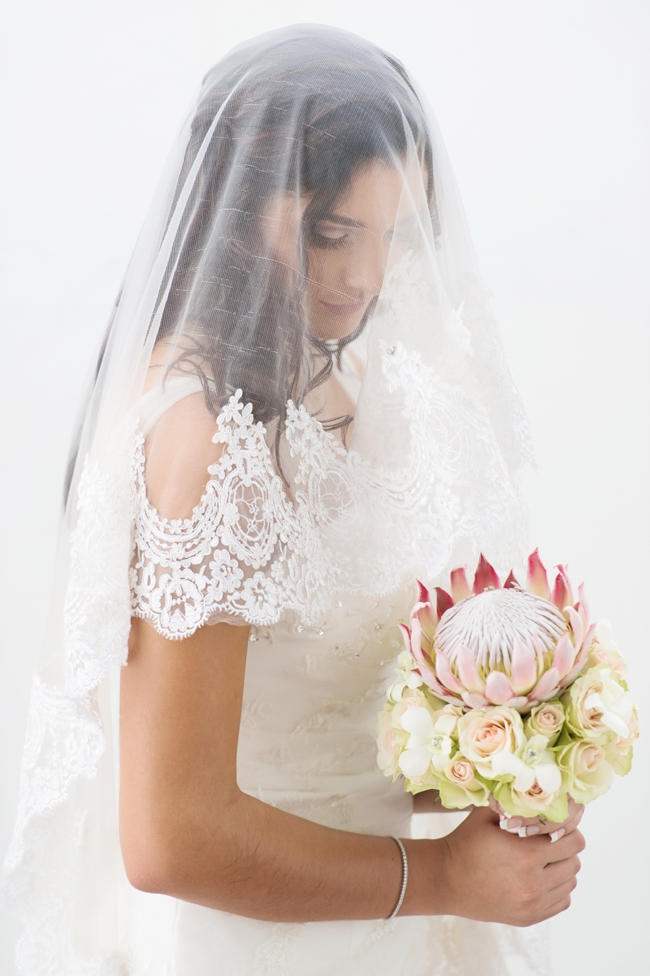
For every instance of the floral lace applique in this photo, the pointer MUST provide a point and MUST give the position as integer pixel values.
(251, 553)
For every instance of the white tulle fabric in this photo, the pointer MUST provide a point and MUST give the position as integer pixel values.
(315, 756)
(314, 544)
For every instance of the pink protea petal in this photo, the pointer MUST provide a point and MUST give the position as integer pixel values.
(426, 617)
(485, 576)
(565, 655)
(577, 626)
(540, 648)
(582, 605)
(423, 594)
(416, 636)
(498, 688)
(444, 601)
(467, 671)
(587, 640)
(445, 675)
(546, 685)
(423, 665)
(536, 581)
(511, 581)
(582, 654)
(406, 636)
(521, 703)
(430, 680)
(416, 647)
(474, 701)
(523, 667)
(459, 586)
(562, 592)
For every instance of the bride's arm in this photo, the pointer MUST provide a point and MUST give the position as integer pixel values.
(187, 830)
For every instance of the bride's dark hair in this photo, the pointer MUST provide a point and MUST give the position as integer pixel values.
(295, 116)
(300, 119)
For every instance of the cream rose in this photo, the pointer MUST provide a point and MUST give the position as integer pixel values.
(460, 786)
(598, 706)
(538, 799)
(482, 735)
(546, 719)
(585, 770)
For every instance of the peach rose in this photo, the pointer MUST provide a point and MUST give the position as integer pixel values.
(546, 719)
(460, 786)
(484, 734)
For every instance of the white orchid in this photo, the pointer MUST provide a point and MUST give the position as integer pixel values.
(407, 676)
(426, 746)
(535, 763)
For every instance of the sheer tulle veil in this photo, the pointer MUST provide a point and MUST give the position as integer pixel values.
(305, 273)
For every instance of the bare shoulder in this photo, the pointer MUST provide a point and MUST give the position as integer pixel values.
(179, 448)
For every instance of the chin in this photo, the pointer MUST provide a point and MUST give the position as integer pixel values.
(335, 325)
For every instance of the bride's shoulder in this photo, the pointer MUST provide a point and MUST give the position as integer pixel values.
(180, 426)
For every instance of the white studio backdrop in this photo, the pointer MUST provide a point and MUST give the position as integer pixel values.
(544, 107)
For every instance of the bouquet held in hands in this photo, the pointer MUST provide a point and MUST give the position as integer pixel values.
(509, 692)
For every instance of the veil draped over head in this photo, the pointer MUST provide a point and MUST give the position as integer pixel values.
(301, 399)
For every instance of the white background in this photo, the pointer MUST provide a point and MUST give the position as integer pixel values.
(544, 108)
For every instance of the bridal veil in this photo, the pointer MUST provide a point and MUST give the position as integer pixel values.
(305, 286)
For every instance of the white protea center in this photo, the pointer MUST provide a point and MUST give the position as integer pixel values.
(488, 624)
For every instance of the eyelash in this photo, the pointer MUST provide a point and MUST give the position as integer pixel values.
(333, 242)
(328, 242)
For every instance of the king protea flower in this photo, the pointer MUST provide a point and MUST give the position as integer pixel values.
(495, 644)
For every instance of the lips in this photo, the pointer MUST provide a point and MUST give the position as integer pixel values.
(348, 309)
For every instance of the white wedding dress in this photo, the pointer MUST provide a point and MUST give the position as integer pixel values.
(307, 745)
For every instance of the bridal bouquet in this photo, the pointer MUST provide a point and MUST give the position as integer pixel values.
(508, 691)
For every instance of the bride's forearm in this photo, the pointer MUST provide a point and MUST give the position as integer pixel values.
(264, 863)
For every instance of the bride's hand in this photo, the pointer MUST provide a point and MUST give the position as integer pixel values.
(530, 826)
(494, 876)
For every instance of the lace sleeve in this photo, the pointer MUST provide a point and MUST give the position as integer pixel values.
(219, 563)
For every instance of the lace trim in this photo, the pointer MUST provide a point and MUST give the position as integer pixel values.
(248, 553)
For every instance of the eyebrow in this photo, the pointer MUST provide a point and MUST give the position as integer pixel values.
(345, 221)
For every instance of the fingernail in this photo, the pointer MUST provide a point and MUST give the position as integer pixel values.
(514, 823)
(523, 831)
(503, 823)
(560, 832)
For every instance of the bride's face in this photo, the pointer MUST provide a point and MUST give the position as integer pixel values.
(348, 248)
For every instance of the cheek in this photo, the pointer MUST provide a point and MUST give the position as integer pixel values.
(324, 269)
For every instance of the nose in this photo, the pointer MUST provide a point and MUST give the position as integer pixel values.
(363, 271)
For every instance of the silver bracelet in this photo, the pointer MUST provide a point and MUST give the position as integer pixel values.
(405, 877)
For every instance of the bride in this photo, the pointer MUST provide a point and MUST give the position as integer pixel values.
(301, 406)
